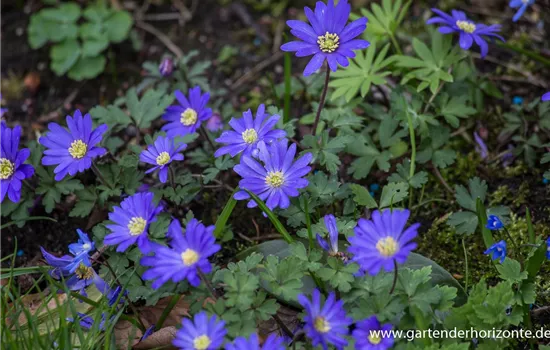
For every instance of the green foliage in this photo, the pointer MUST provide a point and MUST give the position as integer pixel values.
(384, 20)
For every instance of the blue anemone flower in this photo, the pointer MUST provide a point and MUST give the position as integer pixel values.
(546, 96)
(325, 324)
(369, 334)
(327, 37)
(332, 246)
(131, 222)
(273, 342)
(187, 117)
(494, 223)
(160, 154)
(523, 5)
(12, 169)
(188, 253)
(202, 333)
(248, 132)
(497, 251)
(469, 32)
(72, 150)
(382, 240)
(276, 178)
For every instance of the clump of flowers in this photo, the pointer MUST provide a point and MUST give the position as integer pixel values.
(160, 154)
(497, 251)
(327, 37)
(131, 222)
(72, 150)
(202, 333)
(276, 178)
(248, 131)
(186, 257)
(187, 117)
(383, 241)
(12, 168)
(469, 32)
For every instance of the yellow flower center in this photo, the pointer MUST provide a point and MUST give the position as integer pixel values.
(374, 337)
(466, 26)
(84, 272)
(274, 179)
(78, 149)
(202, 342)
(387, 246)
(189, 257)
(328, 42)
(250, 136)
(321, 324)
(137, 225)
(163, 158)
(189, 117)
(6, 168)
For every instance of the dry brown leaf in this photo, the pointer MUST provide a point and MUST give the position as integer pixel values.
(162, 338)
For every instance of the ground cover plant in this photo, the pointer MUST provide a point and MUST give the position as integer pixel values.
(375, 178)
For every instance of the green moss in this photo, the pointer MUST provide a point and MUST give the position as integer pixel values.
(464, 168)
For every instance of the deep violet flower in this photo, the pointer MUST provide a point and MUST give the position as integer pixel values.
(166, 67)
(202, 333)
(215, 123)
(188, 253)
(327, 37)
(332, 245)
(72, 150)
(248, 131)
(325, 324)
(276, 178)
(546, 96)
(187, 117)
(160, 154)
(12, 169)
(131, 222)
(272, 342)
(497, 251)
(523, 5)
(467, 29)
(369, 334)
(382, 240)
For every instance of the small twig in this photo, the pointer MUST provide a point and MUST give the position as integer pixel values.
(283, 326)
(256, 69)
(442, 180)
(207, 137)
(162, 37)
(209, 285)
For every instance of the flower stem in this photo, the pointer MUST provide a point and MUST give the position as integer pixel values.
(413, 154)
(308, 224)
(98, 173)
(321, 103)
(396, 273)
(173, 302)
(172, 178)
(395, 43)
(209, 285)
(205, 134)
(467, 272)
(516, 247)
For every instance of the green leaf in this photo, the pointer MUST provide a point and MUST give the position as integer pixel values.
(52, 190)
(111, 115)
(464, 222)
(225, 214)
(393, 193)
(150, 107)
(118, 26)
(86, 200)
(272, 217)
(64, 55)
(467, 199)
(510, 270)
(363, 197)
(402, 175)
(87, 68)
(93, 47)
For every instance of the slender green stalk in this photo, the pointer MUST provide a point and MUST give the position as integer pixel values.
(308, 224)
(173, 302)
(413, 154)
(396, 274)
(530, 228)
(225, 214)
(98, 173)
(207, 137)
(172, 177)
(209, 285)
(395, 43)
(516, 246)
(526, 52)
(321, 102)
(32, 218)
(287, 72)
(467, 271)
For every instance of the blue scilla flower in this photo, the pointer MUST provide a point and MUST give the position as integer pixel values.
(521, 5)
(383, 239)
(469, 32)
(187, 255)
(494, 223)
(327, 37)
(546, 96)
(187, 117)
(369, 334)
(275, 177)
(83, 246)
(12, 169)
(202, 333)
(160, 154)
(73, 150)
(497, 251)
(325, 324)
(67, 264)
(517, 100)
(332, 246)
(131, 222)
(83, 277)
(248, 131)
(273, 342)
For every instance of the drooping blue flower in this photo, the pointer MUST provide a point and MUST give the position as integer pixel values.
(332, 245)
(494, 223)
(186, 255)
(467, 29)
(166, 67)
(248, 131)
(369, 334)
(546, 96)
(327, 37)
(131, 222)
(523, 5)
(83, 246)
(325, 324)
(273, 342)
(83, 276)
(383, 239)
(481, 147)
(276, 178)
(548, 248)
(215, 123)
(202, 333)
(160, 154)
(12, 169)
(72, 150)
(497, 251)
(187, 117)
(65, 265)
